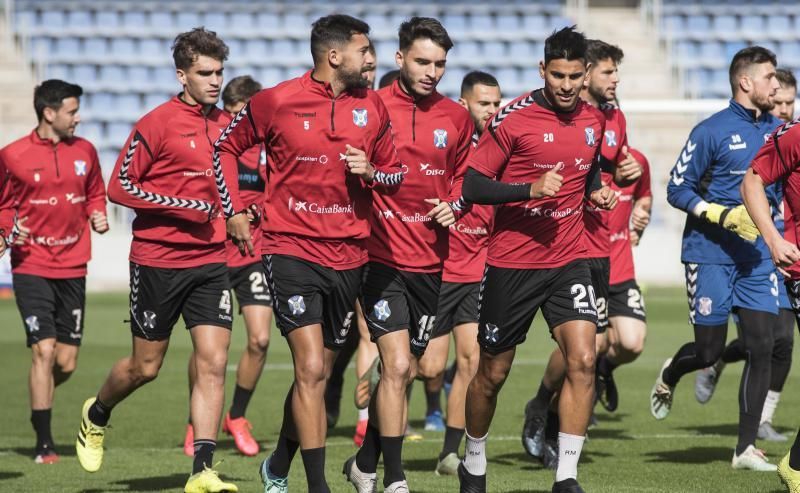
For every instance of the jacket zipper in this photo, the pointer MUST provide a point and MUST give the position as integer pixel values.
(414, 123)
(333, 108)
(55, 160)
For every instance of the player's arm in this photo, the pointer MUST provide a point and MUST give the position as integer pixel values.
(386, 168)
(12, 227)
(598, 193)
(771, 164)
(447, 211)
(125, 185)
(96, 195)
(642, 201)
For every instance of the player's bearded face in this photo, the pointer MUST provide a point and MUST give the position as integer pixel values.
(602, 81)
(421, 67)
(784, 103)
(563, 80)
(355, 63)
(202, 81)
(482, 102)
(65, 119)
(764, 86)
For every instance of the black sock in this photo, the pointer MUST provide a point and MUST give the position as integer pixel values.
(241, 398)
(282, 456)
(99, 413)
(605, 366)
(551, 426)
(544, 395)
(452, 441)
(370, 451)
(782, 351)
(794, 453)
(203, 455)
(709, 342)
(314, 463)
(433, 402)
(748, 430)
(733, 352)
(392, 448)
(40, 419)
(757, 344)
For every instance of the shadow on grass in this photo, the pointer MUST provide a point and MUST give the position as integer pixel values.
(160, 483)
(608, 434)
(63, 451)
(10, 475)
(605, 417)
(731, 429)
(694, 455)
(424, 465)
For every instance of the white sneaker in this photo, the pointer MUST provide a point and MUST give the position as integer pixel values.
(363, 482)
(397, 487)
(661, 395)
(706, 381)
(753, 459)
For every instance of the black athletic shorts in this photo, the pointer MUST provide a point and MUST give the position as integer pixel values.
(601, 270)
(458, 304)
(397, 300)
(51, 308)
(249, 282)
(510, 298)
(625, 300)
(201, 295)
(305, 293)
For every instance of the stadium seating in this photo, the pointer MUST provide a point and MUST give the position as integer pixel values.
(120, 51)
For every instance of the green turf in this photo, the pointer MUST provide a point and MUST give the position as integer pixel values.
(627, 452)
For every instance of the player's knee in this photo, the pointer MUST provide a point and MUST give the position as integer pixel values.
(582, 361)
(44, 352)
(782, 350)
(492, 376)
(66, 366)
(467, 364)
(759, 348)
(397, 370)
(258, 343)
(311, 371)
(145, 372)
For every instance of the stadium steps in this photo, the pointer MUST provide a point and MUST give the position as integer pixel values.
(16, 89)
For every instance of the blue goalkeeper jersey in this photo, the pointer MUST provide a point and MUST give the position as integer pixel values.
(710, 168)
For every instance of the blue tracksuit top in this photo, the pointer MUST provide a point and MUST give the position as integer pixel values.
(710, 168)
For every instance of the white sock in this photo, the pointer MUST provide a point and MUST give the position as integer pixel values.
(770, 404)
(363, 414)
(569, 452)
(475, 455)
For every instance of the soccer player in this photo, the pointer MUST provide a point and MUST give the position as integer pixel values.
(777, 163)
(458, 296)
(51, 193)
(783, 332)
(618, 165)
(727, 264)
(329, 140)
(543, 149)
(249, 283)
(409, 240)
(177, 261)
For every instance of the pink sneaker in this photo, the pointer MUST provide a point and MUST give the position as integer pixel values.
(188, 441)
(239, 429)
(361, 430)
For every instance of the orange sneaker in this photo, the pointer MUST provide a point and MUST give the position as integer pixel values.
(361, 430)
(239, 429)
(188, 441)
(46, 457)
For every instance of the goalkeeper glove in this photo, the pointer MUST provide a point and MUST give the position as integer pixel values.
(736, 220)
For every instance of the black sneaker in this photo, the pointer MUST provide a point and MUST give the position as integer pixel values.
(567, 486)
(469, 483)
(550, 454)
(607, 392)
(333, 400)
(533, 427)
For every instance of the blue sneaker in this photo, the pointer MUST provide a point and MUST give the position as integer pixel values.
(434, 421)
(271, 482)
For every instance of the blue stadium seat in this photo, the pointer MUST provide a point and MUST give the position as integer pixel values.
(100, 103)
(456, 24)
(40, 47)
(117, 133)
(779, 26)
(285, 49)
(150, 47)
(558, 22)
(296, 71)
(164, 78)
(481, 24)
(733, 47)
(529, 80)
(107, 19)
(296, 23)
(385, 51)
(52, 20)
(66, 48)
(451, 82)
(720, 85)
(698, 26)
(58, 71)
(378, 23)
(84, 75)
(134, 20)
(675, 25)
(161, 20)
(507, 76)
(186, 20)
(139, 76)
(123, 48)
(108, 159)
(241, 22)
(128, 105)
(270, 76)
(153, 99)
(464, 52)
(712, 54)
(25, 20)
(268, 23)
(79, 19)
(525, 52)
(95, 48)
(789, 53)
(754, 27)
(91, 131)
(535, 26)
(215, 21)
(686, 51)
(725, 27)
(508, 23)
(495, 51)
(112, 76)
(256, 49)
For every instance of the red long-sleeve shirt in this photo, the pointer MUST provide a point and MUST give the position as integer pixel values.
(165, 174)
(619, 222)
(433, 136)
(57, 187)
(315, 209)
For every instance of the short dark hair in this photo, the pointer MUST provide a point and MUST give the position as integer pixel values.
(476, 77)
(745, 58)
(597, 51)
(423, 28)
(334, 30)
(786, 78)
(240, 90)
(566, 43)
(388, 78)
(52, 93)
(190, 45)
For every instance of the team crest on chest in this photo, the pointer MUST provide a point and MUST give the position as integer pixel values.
(80, 167)
(440, 138)
(589, 132)
(611, 138)
(360, 117)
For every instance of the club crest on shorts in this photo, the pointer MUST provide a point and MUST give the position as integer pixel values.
(297, 305)
(491, 333)
(381, 310)
(33, 323)
(440, 138)
(589, 132)
(611, 138)
(149, 319)
(360, 117)
(704, 306)
(80, 167)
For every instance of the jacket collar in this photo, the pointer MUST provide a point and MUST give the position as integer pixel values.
(36, 140)
(397, 92)
(747, 114)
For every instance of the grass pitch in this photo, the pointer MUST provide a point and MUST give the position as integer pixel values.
(628, 452)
